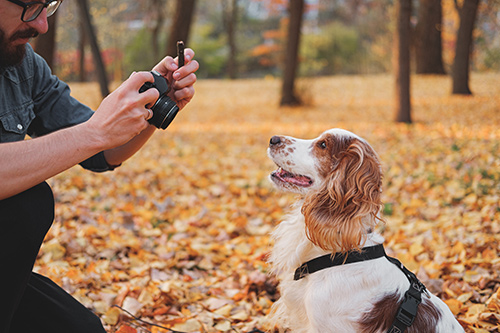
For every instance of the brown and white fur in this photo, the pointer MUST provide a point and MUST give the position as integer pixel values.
(339, 178)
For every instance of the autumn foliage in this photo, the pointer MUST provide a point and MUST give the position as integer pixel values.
(178, 236)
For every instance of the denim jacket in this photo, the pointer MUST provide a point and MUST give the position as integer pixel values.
(35, 102)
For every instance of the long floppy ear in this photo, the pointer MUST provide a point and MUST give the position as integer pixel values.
(337, 218)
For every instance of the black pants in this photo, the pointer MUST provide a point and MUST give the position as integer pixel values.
(30, 302)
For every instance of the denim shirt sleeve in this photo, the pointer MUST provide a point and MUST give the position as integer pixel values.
(35, 102)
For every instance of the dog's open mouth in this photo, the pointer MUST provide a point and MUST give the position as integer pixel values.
(290, 178)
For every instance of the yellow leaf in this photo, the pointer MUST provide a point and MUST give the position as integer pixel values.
(464, 297)
(458, 248)
(241, 316)
(225, 310)
(190, 325)
(416, 248)
(111, 316)
(53, 250)
(454, 305)
(475, 309)
(132, 305)
(223, 326)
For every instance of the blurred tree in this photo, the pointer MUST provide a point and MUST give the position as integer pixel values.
(402, 60)
(181, 25)
(82, 42)
(230, 20)
(353, 10)
(463, 49)
(288, 94)
(157, 8)
(91, 36)
(428, 47)
(45, 45)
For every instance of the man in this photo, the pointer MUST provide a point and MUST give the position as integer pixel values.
(64, 133)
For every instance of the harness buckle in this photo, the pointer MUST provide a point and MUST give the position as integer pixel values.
(408, 309)
(395, 330)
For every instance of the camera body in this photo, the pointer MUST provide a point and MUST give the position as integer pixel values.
(164, 109)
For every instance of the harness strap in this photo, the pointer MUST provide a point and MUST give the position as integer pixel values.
(337, 259)
(407, 311)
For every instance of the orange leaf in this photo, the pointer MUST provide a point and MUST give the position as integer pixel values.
(454, 305)
(126, 329)
(161, 310)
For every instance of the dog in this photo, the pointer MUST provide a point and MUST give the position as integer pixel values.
(338, 177)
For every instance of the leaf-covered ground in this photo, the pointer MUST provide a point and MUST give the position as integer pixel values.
(178, 235)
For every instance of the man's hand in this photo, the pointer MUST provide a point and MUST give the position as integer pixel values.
(123, 115)
(120, 122)
(180, 79)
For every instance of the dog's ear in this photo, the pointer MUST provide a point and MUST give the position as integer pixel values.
(338, 217)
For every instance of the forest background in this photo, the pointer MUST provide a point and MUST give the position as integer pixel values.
(338, 37)
(179, 235)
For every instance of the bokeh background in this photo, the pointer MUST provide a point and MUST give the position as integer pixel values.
(178, 236)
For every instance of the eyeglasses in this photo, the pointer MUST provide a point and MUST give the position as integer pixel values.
(32, 9)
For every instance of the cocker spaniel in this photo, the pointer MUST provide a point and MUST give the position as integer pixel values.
(333, 271)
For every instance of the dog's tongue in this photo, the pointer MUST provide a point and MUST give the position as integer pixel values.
(293, 178)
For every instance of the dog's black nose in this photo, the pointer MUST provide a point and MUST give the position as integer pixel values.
(275, 140)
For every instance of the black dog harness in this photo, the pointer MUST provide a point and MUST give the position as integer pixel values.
(413, 297)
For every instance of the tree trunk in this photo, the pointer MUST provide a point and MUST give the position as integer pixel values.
(181, 25)
(157, 7)
(428, 48)
(353, 7)
(45, 45)
(82, 43)
(288, 95)
(91, 36)
(463, 49)
(402, 61)
(230, 19)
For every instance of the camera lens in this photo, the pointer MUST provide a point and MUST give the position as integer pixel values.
(164, 111)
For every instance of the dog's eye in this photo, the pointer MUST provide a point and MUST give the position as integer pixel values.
(322, 144)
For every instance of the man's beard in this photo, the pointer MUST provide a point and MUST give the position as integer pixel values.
(11, 55)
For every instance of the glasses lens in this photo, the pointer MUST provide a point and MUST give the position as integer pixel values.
(52, 7)
(32, 12)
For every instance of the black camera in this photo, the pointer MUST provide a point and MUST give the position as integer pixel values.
(164, 109)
